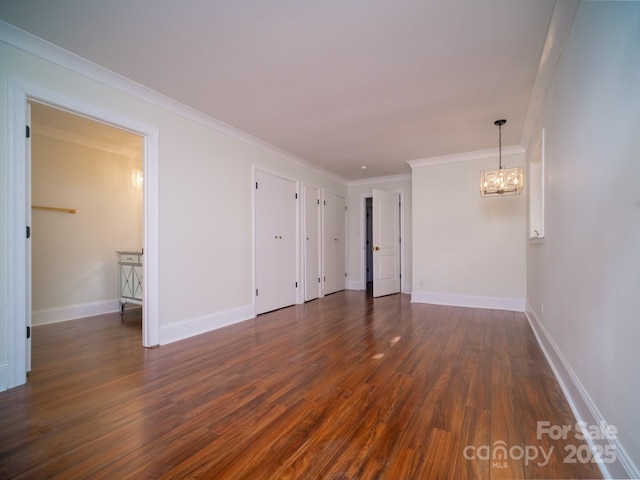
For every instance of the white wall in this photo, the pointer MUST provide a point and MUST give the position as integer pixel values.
(205, 185)
(356, 261)
(74, 262)
(584, 280)
(468, 250)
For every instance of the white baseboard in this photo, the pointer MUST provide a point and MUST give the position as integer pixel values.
(454, 300)
(62, 314)
(195, 326)
(580, 401)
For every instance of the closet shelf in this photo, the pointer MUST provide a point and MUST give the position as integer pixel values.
(55, 209)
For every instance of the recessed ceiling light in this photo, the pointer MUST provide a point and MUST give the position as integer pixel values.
(363, 167)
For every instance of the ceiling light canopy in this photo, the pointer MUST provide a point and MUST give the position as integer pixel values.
(503, 181)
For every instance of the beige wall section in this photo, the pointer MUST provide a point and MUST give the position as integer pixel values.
(468, 250)
(584, 280)
(356, 264)
(74, 262)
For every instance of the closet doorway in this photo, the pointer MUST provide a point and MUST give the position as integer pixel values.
(86, 195)
(21, 95)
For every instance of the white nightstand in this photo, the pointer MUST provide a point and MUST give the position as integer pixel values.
(130, 278)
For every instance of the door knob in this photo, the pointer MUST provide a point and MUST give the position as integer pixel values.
(376, 248)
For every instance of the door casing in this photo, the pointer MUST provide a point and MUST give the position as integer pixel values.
(18, 214)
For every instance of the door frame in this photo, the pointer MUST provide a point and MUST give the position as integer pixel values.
(363, 238)
(18, 201)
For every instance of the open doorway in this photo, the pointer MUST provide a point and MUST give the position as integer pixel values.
(18, 253)
(86, 204)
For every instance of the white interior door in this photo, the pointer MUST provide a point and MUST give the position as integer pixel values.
(334, 245)
(286, 243)
(311, 243)
(386, 243)
(328, 245)
(275, 242)
(341, 243)
(266, 243)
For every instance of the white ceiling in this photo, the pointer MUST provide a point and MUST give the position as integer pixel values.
(340, 83)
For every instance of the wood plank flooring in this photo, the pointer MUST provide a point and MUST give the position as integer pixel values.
(344, 387)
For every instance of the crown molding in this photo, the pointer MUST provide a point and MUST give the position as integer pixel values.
(466, 156)
(34, 45)
(389, 178)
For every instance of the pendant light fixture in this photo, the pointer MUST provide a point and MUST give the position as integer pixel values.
(503, 181)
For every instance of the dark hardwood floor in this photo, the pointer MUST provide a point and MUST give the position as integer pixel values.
(344, 387)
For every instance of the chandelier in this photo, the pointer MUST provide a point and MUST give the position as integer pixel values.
(503, 181)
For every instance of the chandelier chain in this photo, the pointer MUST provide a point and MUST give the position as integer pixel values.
(500, 146)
